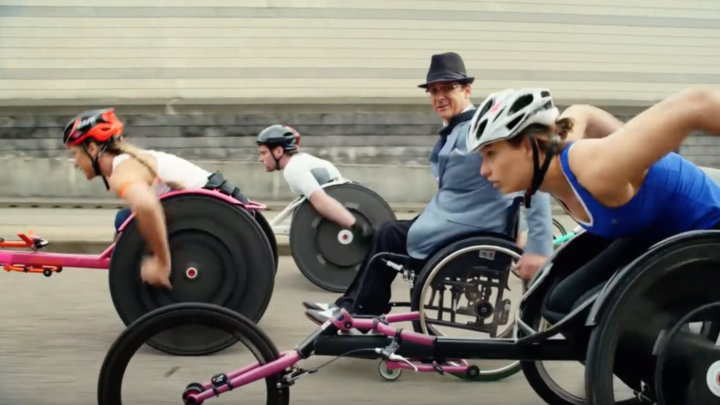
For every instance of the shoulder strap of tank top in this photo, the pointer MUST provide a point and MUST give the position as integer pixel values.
(119, 159)
(583, 194)
(124, 156)
(565, 163)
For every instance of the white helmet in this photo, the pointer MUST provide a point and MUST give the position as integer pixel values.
(505, 114)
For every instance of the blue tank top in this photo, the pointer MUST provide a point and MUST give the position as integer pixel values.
(676, 196)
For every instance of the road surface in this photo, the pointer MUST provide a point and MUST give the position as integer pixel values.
(55, 333)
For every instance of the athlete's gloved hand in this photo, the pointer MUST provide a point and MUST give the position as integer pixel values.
(363, 229)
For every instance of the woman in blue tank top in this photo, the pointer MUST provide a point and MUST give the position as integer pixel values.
(624, 184)
(615, 180)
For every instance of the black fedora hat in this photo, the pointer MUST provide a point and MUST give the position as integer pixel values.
(447, 67)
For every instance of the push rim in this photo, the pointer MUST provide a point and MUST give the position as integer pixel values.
(509, 369)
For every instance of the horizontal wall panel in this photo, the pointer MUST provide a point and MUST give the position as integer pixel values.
(479, 65)
(356, 34)
(626, 51)
(345, 23)
(418, 57)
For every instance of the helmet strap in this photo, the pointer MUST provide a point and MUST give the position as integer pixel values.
(277, 160)
(95, 161)
(540, 171)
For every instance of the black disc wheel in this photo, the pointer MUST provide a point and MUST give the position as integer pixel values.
(327, 255)
(643, 304)
(219, 254)
(270, 234)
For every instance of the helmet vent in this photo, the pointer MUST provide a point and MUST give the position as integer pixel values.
(514, 123)
(488, 105)
(521, 103)
(480, 129)
(499, 114)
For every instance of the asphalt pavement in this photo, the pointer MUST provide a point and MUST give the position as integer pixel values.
(55, 333)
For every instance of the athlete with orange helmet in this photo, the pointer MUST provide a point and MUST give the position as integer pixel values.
(138, 176)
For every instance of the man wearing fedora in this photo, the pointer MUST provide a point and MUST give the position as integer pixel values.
(464, 203)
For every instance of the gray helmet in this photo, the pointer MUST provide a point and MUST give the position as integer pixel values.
(279, 135)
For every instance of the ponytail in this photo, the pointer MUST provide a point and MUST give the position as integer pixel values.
(563, 127)
(120, 147)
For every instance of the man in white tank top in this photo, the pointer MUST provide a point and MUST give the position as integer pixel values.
(278, 146)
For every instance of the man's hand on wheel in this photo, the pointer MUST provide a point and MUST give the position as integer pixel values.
(529, 264)
(362, 228)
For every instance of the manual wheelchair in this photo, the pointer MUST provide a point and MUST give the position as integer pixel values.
(475, 268)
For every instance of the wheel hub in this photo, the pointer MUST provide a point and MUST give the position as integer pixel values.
(191, 273)
(713, 378)
(338, 246)
(484, 310)
(345, 237)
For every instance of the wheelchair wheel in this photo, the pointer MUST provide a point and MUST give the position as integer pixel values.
(559, 227)
(539, 378)
(708, 315)
(643, 303)
(327, 255)
(212, 262)
(163, 320)
(471, 268)
(267, 229)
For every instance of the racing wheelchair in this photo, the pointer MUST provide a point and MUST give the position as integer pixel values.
(231, 266)
(641, 313)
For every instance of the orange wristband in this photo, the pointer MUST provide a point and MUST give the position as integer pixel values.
(125, 186)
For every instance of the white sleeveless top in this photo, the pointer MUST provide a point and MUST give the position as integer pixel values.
(171, 168)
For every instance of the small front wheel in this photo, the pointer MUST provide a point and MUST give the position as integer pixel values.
(388, 374)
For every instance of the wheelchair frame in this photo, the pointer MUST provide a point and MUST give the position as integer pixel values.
(409, 274)
(287, 212)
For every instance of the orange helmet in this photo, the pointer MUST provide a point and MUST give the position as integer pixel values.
(98, 125)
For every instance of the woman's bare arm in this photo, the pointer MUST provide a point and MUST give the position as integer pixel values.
(590, 122)
(131, 180)
(624, 156)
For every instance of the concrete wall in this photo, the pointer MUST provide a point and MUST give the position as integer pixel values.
(270, 51)
(384, 147)
(200, 78)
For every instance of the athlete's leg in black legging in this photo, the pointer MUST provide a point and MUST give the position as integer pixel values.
(581, 284)
(593, 275)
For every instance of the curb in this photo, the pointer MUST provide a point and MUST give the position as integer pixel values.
(97, 247)
(79, 203)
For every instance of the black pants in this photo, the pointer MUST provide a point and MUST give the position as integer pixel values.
(370, 292)
(579, 285)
